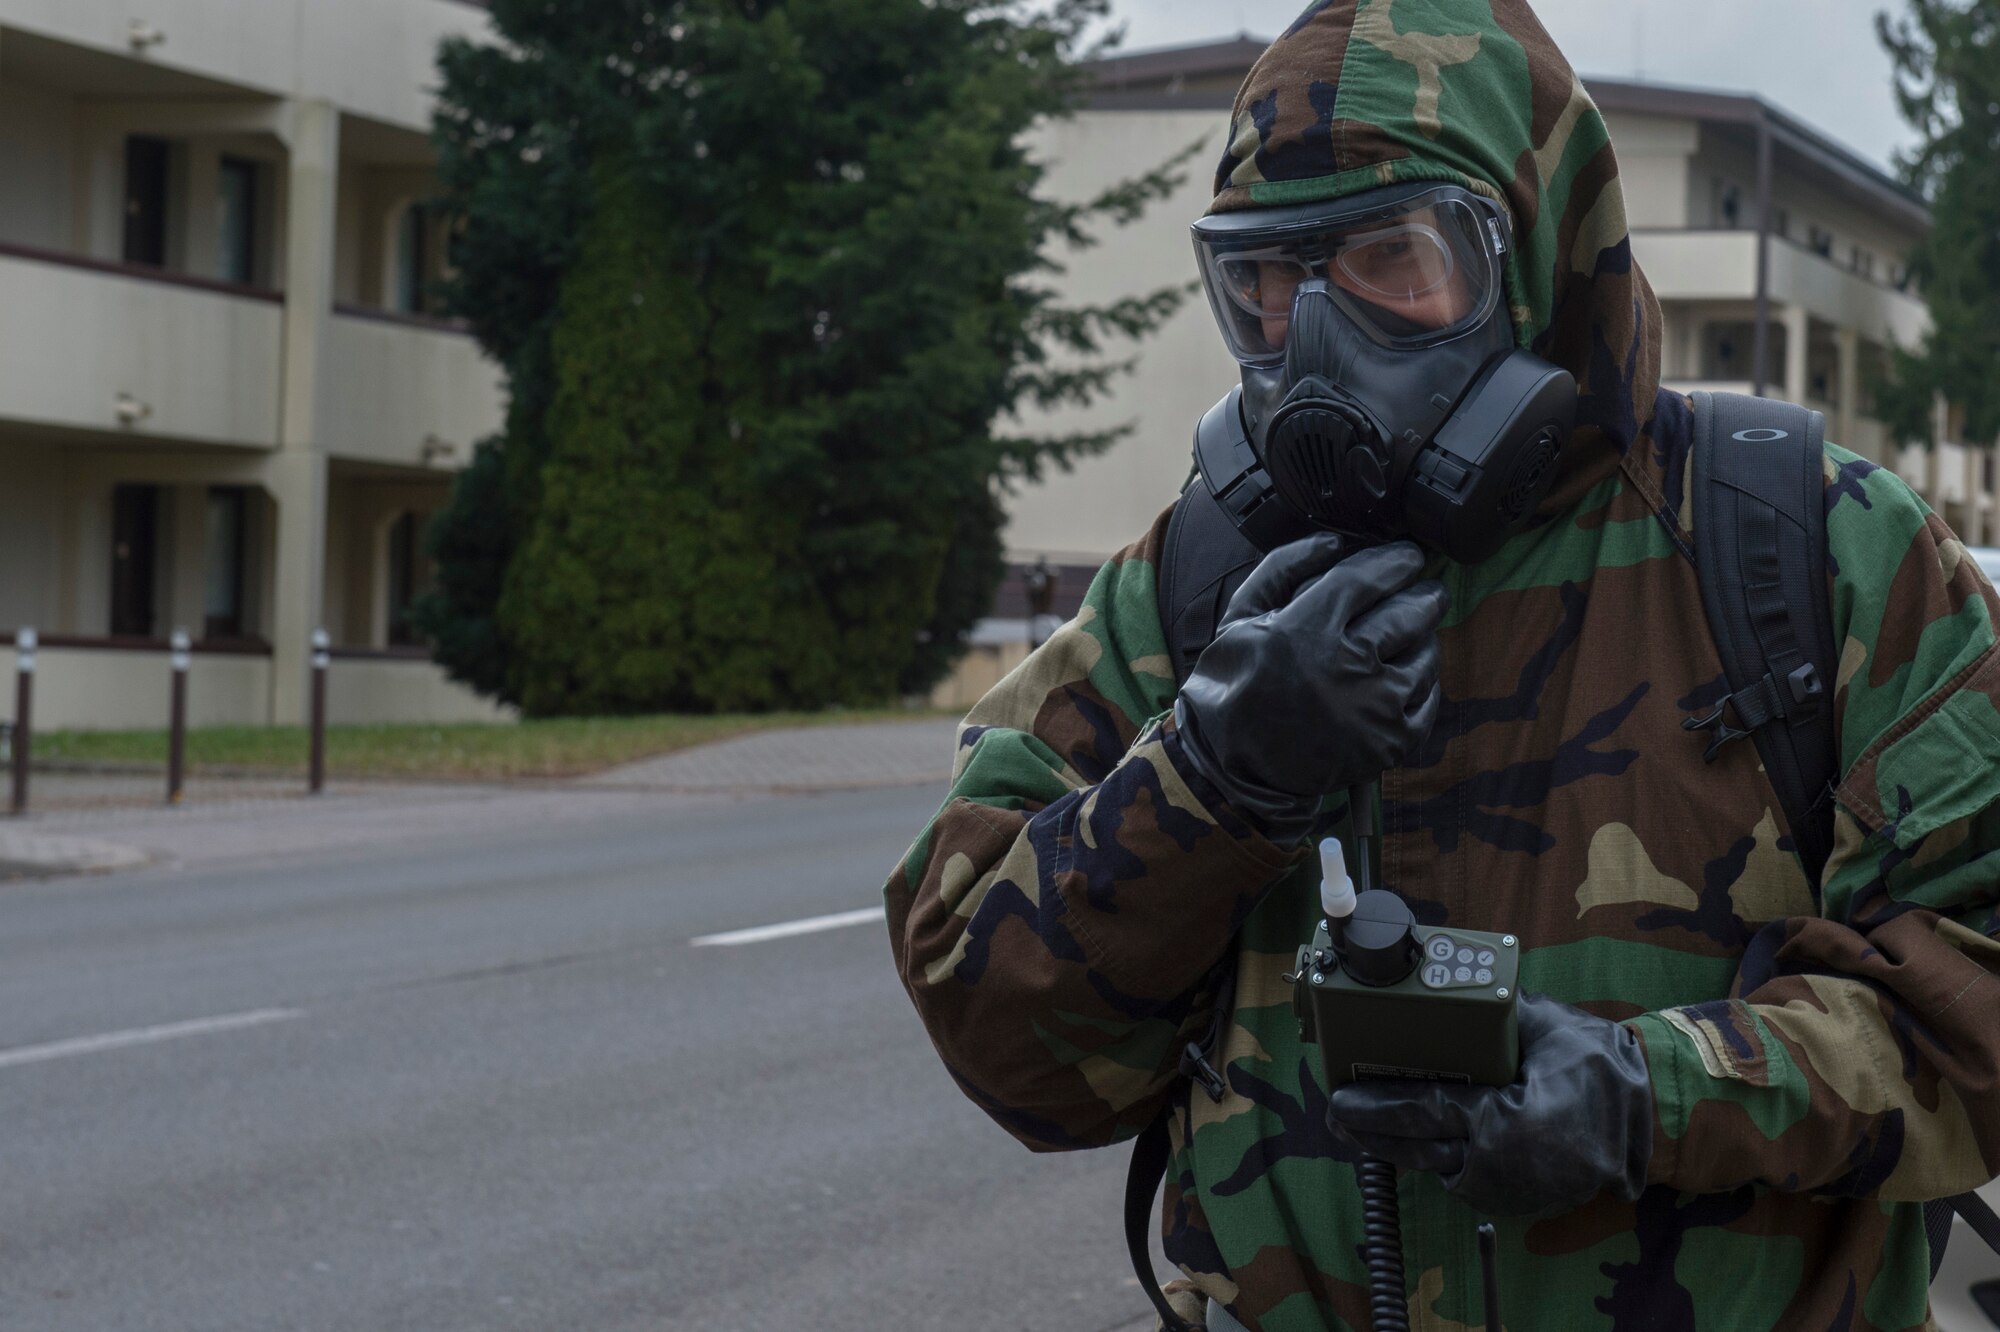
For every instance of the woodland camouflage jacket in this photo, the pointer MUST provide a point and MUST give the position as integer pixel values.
(1822, 1054)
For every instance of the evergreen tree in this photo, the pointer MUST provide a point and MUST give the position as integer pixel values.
(1947, 57)
(765, 274)
(645, 579)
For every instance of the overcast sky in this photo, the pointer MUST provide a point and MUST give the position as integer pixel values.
(1817, 59)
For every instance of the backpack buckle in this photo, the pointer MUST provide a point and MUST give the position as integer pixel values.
(1195, 1065)
(1718, 722)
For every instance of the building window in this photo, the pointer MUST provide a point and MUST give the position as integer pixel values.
(222, 613)
(405, 578)
(1781, 222)
(413, 261)
(236, 221)
(1728, 204)
(147, 171)
(135, 530)
(1820, 240)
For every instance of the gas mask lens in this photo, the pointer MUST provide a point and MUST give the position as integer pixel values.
(1411, 275)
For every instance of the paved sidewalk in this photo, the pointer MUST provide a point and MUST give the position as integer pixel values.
(83, 822)
(807, 758)
(68, 788)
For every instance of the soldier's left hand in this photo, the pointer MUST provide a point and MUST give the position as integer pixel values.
(1576, 1122)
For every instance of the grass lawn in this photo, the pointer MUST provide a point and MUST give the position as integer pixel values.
(567, 747)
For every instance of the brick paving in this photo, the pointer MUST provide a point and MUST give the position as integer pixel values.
(84, 822)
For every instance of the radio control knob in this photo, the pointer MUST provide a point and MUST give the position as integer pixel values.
(1379, 945)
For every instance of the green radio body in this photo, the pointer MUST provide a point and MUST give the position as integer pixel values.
(1450, 1019)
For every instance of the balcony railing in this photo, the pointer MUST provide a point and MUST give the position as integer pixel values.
(1721, 266)
(90, 345)
(141, 272)
(1882, 280)
(413, 391)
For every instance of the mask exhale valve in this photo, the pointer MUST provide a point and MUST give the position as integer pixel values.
(1381, 996)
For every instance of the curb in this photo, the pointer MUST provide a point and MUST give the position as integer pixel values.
(37, 855)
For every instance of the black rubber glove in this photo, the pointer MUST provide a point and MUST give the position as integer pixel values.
(1577, 1122)
(1323, 674)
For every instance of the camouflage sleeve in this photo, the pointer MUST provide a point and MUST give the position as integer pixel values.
(1860, 1055)
(1056, 921)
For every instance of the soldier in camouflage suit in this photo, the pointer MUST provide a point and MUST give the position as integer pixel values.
(1822, 1054)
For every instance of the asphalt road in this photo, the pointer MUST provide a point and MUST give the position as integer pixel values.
(488, 1082)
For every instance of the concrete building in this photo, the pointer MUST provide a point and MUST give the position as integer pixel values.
(225, 404)
(1830, 272)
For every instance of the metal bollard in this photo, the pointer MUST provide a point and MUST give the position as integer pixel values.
(181, 647)
(25, 643)
(316, 765)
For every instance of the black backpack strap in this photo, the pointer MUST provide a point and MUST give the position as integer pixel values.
(1205, 560)
(1142, 1185)
(1937, 1230)
(1760, 552)
(1150, 1151)
(1977, 1215)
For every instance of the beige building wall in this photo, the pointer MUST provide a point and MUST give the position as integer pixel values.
(336, 414)
(36, 132)
(108, 690)
(1674, 170)
(199, 365)
(379, 690)
(1107, 501)
(375, 58)
(1654, 167)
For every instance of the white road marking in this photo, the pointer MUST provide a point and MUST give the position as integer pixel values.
(763, 933)
(118, 1040)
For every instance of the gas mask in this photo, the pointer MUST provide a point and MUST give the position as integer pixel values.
(1383, 396)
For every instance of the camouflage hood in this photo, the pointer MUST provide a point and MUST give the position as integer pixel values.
(1363, 93)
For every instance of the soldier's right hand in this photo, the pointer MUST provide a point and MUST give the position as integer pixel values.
(1323, 675)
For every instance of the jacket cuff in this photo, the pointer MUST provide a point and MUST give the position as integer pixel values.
(1244, 826)
(1281, 819)
(1664, 1047)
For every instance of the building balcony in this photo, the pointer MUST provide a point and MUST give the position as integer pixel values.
(1706, 385)
(113, 349)
(407, 391)
(376, 58)
(116, 349)
(1699, 265)
(1721, 267)
(1866, 436)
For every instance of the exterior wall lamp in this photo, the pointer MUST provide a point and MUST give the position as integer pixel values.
(131, 411)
